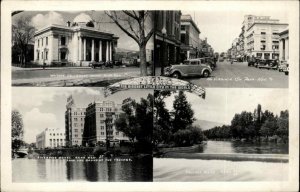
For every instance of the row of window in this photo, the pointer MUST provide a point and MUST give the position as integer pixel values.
(42, 41)
(76, 125)
(76, 119)
(42, 55)
(81, 113)
(76, 130)
(56, 140)
(53, 134)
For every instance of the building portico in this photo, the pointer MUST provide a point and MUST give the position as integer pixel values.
(77, 45)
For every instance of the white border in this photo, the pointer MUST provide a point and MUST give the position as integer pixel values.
(7, 6)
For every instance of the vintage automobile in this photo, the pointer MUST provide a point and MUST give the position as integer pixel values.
(253, 62)
(286, 69)
(282, 66)
(268, 64)
(95, 64)
(190, 67)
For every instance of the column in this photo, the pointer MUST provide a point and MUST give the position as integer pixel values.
(110, 51)
(80, 49)
(106, 56)
(84, 49)
(281, 54)
(287, 49)
(93, 50)
(100, 50)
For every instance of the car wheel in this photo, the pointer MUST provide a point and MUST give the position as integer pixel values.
(206, 73)
(286, 73)
(176, 75)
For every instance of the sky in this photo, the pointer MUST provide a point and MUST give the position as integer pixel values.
(221, 104)
(40, 19)
(221, 27)
(45, 107)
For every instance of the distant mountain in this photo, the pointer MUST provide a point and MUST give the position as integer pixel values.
(124, 50)
(207, 124)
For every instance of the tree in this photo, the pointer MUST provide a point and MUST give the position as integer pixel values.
(283, 125)
(17, 130)
(137, 121)
(183, 115)
(162, 119)
(134, 24)
(22, 35)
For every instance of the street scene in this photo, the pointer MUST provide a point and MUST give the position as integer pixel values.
(77, 134)
(239, 136)
(80, 48)
(253, 51)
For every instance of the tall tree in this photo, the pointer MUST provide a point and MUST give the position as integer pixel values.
(138, 26)
(22, 35)
(17, 130)
(183, 115)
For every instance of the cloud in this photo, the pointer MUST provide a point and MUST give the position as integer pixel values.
(41, 20)
(35, 122)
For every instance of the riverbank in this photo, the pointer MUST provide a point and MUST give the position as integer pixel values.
(282, 158)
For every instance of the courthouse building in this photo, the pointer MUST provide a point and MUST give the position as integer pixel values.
(50, 138)
(78, 43)
(100, 123)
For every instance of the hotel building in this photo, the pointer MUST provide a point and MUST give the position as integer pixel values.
(78, 43)
(50, 138)
(74, 123)
(99, 123)
(284, 45)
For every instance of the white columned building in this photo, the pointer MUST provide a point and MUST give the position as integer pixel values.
(75, 44)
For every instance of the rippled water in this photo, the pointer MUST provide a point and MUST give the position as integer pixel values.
(60, 170)
(172, 169)
(167, 169)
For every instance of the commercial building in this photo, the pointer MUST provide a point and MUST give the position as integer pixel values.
(51, 138)
(100, 123)
(284, 45)
(74, 123)
(190, 40)
(205, 49)
(167, 37)
(78, 43)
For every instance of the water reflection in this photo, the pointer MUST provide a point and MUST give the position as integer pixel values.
(59, 170)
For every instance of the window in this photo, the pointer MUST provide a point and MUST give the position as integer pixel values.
(63, 40)
(102, 127)
(102, 121)
(38, 43)
(38, 55)
(46, 55)
(53, 134)
(76, 130)
(101, 115)
(102, 133)
(46, 40)
(50, 135)
(75, 135)
(263, 47)
(194, 62)
(262, 33)
(42, 55)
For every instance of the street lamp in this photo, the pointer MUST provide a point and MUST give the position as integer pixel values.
(164, 32)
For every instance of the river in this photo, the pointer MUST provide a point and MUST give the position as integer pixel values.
(61, 170)
(175, 169)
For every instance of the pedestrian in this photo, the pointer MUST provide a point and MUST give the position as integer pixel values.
(44, 65)
(231, 61)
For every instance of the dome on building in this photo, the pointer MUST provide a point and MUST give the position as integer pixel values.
(83, 19)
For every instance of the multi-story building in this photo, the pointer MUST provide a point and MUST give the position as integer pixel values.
(263, 40)
(260, 35)
(74, 123)
(51, 138)
(189, 37)
(284, 45)
(77, 43)
(167, 37)
(100, 123)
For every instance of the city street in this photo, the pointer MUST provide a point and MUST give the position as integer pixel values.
(239, 75)
(70, 76)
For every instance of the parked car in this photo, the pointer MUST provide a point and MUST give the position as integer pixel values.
(253, 62)
(286, 69)
(190, 67)
(268, 64)
(96, 64)
(282, 66)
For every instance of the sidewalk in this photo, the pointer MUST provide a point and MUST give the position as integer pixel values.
(13, 68)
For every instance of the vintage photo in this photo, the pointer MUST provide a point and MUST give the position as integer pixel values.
(76, 134)
(237, 137)
(217, 49)
(82, 48)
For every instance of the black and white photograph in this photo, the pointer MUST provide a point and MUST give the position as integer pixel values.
(149, 95)
(77, 135)
(237, 137)
(82, 48)
(240, 49)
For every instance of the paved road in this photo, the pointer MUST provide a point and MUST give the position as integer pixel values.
(69, 76)
(239, 75)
